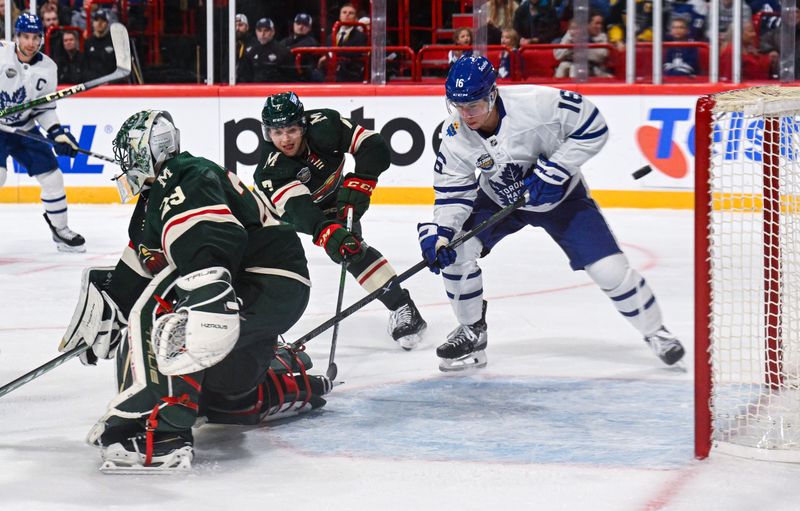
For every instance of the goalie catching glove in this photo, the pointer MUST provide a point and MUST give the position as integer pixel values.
(97, 321)
(355, 194)
(204, 327)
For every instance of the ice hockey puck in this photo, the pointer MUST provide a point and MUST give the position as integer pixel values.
(642, 172)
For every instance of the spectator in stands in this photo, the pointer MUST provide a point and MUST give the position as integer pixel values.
(536, 21)
(771, 43)
(99, 55)
(301, 38)
(680, 60)
(462, 37)
(597, 57)
(70, 62)
(244, 39)
(500, 17)
(63, 11)
(350, 66)
(694, 11)
(266, 61)
(510, 39)
(643, 22)
(755, 64)
(49, 15)
(726, 16)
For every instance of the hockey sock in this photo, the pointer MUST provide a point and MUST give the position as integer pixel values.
(54, 197)
(629, 292)
(464, 286)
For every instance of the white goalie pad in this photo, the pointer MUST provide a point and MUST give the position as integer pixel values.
(97, 321)
(204, 328)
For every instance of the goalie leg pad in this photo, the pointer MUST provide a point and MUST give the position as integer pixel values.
(629, 292)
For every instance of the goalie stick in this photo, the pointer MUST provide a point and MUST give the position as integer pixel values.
(411, 271)
(122, 52)
(332, 369)
(45, 140)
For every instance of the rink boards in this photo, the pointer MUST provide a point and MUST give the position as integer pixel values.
(648, 125)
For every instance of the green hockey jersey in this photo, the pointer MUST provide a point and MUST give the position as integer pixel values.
(197, 215)
(302, 189)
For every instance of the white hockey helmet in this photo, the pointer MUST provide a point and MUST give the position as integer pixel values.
(144, 142)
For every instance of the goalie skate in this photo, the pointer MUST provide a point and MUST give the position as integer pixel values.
(406, 324)
(172, 453)
(66, 239)
(465, 347)
(666, 346)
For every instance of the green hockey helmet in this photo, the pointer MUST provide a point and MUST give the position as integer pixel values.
(282, 110)
(144, 142)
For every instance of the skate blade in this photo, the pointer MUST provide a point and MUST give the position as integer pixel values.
(475, 360)
(71, 250)
(110, 468)
(120, 461)
(410, 342)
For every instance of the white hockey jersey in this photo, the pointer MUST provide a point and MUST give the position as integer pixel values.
(562, 126)
(21, 82)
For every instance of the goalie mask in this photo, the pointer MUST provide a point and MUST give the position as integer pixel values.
(144, 142)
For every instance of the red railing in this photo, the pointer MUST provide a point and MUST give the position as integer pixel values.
(365, 50)
(65, 28)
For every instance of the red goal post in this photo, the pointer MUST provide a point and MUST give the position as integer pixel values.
(747, 273)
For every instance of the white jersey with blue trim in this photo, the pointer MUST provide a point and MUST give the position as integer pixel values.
(563, 127)
(21, 82)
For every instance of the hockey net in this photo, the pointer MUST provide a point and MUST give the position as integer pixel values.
(747, 280)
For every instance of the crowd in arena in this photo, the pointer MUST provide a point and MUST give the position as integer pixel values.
(527, 40)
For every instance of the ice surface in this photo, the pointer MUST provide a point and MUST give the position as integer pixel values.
(573, 411)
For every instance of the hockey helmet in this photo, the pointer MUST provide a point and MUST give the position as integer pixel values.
(470, 79)
(144, 142)
(282, 110)
(28, 23)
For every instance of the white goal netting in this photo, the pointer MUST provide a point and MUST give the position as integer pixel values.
(754, 256)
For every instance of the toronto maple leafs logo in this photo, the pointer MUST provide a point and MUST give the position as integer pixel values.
(15, 98)
(509, 184)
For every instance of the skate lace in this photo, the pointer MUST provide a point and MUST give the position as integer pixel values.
(462, 335)
(401, 315)
(66, 233)
(662, 341)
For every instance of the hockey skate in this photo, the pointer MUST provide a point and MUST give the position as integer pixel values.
(666, 346)
(66, 239)
(171, 453)
(464, 347)
(406, 324)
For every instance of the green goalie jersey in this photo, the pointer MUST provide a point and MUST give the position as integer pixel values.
(303, 188)
(197, 215)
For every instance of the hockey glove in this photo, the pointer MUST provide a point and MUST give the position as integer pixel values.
(204, 327)
(355, 193)
(548, 183)
(63, 142)
(97, 321)
(339, 243)
(433, 239)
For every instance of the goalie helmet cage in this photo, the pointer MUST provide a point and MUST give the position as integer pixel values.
(747, 274)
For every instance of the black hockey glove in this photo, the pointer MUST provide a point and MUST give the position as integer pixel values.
(339, 243)
(63, 142)
(355, 193)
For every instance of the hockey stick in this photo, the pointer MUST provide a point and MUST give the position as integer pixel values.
(332, 369)
(44, 368)
(45, 140)
(410, 272)
(122, 52)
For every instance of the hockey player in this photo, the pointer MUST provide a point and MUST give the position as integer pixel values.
(301, 175)
(26, 74)
(534, 139)
(206, 285)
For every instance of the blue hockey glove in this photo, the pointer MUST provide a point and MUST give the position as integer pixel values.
(433, 239)
(548, 183)
(63, 141)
